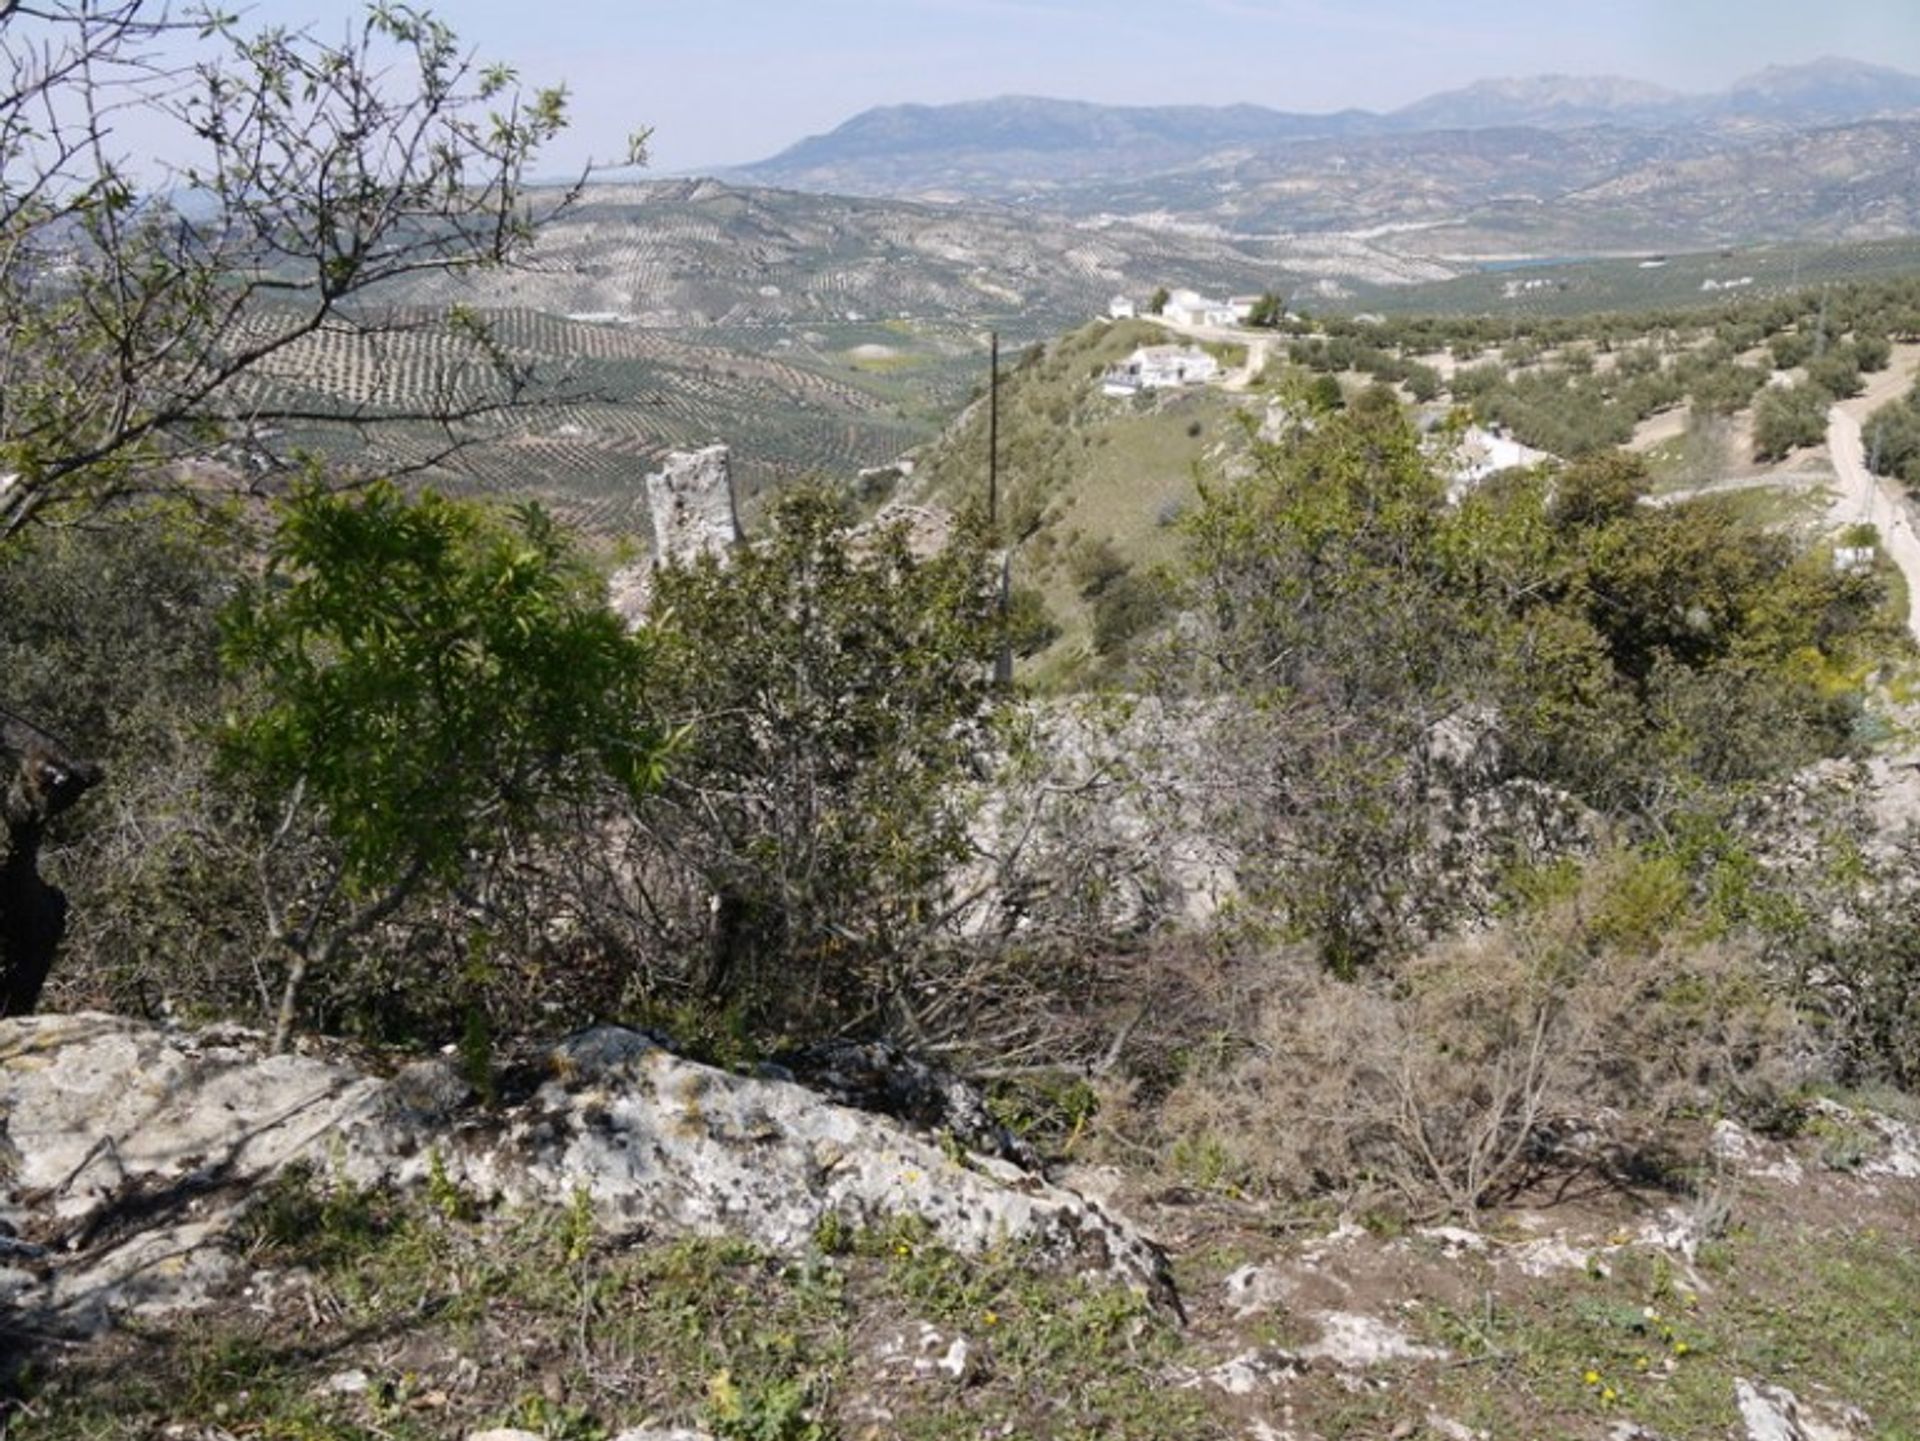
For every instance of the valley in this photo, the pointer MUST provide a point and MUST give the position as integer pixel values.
(827, 310)
(606, 836)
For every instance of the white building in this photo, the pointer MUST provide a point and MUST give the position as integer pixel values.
(1482, 453)
(1160, 367)
(1189, 307)
(1120, 308)
(1850, 558)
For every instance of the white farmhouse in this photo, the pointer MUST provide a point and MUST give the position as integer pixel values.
(1160, 367)
(1189, 307)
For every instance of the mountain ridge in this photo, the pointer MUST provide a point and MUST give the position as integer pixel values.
(1029, 149)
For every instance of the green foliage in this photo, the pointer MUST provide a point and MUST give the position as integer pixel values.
(430, 678)
(1126, 609)
(1030, 627)
(1632, 655)
(1892, 438)
(431, 674)
(780, 1410)
(320, 169)
(108, 638)
(836, 688)
(1785, 418)
(1268, 311)
(1333, 611)
(1837, 373)
(1324, 394)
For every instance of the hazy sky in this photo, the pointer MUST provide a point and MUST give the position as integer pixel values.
(723, 81)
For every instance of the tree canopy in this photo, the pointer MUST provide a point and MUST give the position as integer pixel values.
(141, 315)
(429, 678)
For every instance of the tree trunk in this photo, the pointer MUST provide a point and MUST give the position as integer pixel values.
(38, 780)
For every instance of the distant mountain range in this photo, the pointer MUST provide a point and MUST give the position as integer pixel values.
(1829, 149)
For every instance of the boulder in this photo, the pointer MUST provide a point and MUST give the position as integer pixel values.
(137, 1147)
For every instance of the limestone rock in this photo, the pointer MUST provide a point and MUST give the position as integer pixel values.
(692, 511)
(139, 1146)
(1773, 1413)
(691, 502)
(1354, 1342)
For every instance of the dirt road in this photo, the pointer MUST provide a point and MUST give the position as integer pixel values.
(1860, 496)
(1258, 347)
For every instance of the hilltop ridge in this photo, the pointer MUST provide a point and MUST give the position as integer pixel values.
(1463, 157)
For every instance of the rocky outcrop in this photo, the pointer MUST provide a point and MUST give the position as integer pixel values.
(693, 512)
(691, 502)
(1773, 1413)
(136, 1148)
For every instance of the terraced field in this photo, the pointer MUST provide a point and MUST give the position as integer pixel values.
(817, 333)
(811, 333)
(609, 400)
(1584, 286)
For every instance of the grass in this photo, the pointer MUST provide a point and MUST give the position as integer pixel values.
(1825, 1313)
(462, 1320)
(1081, 469)
(372, 1315)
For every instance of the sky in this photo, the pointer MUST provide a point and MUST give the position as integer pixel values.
(729, 81)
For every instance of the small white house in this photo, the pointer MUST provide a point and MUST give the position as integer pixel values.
(1189, 307)
(1160, 367)
(1121, 308)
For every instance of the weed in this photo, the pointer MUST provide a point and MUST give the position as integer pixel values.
(446, 1195)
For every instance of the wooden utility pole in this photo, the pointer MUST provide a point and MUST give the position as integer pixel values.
(1003, 661)
(993, 433)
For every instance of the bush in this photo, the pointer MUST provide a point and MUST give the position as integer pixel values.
(1124, 610)
(1478, 1066)
(109, 639)
(1031, 628)
(429, 682)
(835, 690)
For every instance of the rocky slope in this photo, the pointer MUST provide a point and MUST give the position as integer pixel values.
(1766, 1295)
(134, 1152)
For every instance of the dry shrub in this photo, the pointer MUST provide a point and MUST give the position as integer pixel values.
(1478, 1066)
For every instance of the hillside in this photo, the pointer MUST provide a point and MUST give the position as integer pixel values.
(813, 333)
(1094, 485)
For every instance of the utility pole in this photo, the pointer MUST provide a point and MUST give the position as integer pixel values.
(993, 433)
(1003, 661)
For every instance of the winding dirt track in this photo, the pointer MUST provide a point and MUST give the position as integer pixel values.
(1861, 496)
